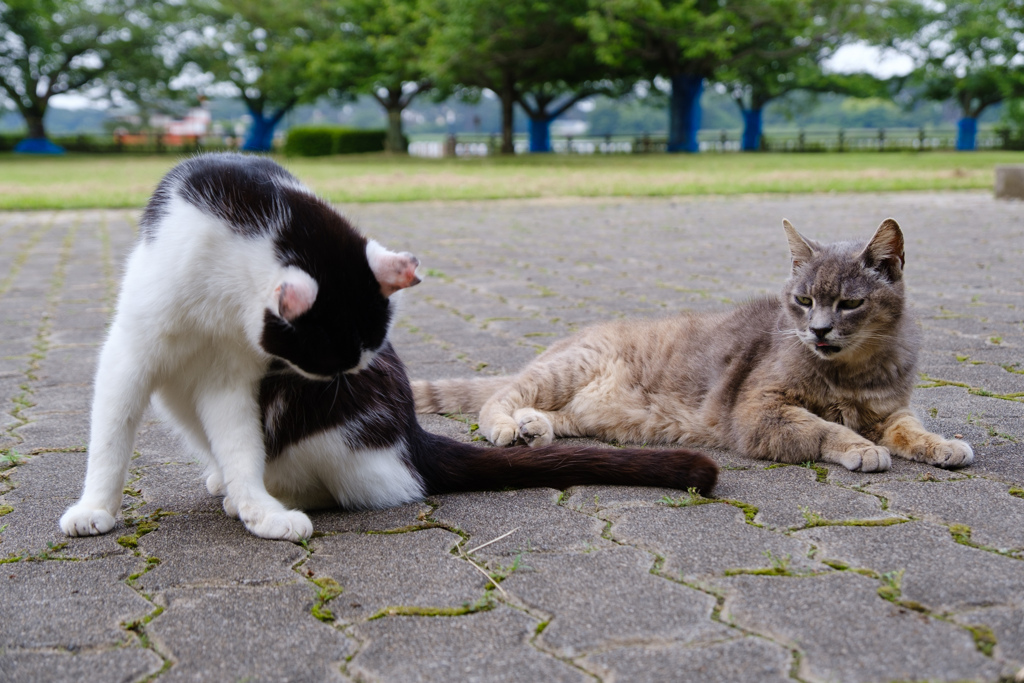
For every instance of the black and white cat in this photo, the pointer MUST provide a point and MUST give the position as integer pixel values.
(257, 319)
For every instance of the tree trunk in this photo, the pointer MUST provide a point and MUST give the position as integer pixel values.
(752, 126)
(967, 134)
(36, 142)
(395, 141)
(684, 113)
(34, 121)
(507, 112)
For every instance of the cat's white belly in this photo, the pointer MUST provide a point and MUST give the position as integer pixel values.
(322, 471)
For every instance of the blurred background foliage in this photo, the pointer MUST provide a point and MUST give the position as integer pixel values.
(601, 67)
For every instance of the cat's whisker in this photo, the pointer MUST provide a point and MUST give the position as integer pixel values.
(337, 385)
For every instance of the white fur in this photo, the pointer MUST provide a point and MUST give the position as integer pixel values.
(187, 333)
(322, 471)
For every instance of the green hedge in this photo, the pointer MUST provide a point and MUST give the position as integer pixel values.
(8, 141)
(313, 141)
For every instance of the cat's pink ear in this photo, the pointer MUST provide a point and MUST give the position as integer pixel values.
(393, 271)
(799, 247)
(885, 249)
(295, 294)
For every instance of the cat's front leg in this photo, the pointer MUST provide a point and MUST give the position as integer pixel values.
(903, 434)
(231, 422)
(529, 425)
(497, 423)
(512, 414)
(771, 429)
(120, 396)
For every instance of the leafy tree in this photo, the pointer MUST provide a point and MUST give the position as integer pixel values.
(559, 84)
(52, 47)
(375, 48)
(529, 52)
(261, 49)
(682, 41)
(785, 45)
(969, 51)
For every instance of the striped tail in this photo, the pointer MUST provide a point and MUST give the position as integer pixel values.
(449, 466)
(455, 395)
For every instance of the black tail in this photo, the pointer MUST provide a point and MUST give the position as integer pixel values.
(449, 466)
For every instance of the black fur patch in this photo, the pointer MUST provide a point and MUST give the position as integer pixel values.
(372, 408)
(246, 192)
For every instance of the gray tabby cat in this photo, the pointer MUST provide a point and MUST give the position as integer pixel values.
(822, 372)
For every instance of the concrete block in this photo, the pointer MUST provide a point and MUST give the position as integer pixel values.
(1010, 182)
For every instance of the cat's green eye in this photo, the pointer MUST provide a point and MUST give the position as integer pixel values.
(804, 300)
(850, 304)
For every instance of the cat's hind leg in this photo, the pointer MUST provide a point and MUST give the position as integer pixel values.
(182, 413)
(231, 422)
(903, 434)
(121, 394)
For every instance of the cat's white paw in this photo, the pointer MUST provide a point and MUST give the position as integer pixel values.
(230, 509)
(215, 484)
(952, 453)
(866, 459)
(534, 428)
(81, 520)
(287, 525)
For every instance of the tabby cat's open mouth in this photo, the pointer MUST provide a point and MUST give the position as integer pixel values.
(827, 349)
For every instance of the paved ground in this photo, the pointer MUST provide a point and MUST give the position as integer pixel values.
(810, 574)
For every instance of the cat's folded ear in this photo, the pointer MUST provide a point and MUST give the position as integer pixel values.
(884, 251)
(294, 294)
(393, 271)
(801, 248)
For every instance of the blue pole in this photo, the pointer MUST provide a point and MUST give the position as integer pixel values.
(261, 134)
(684, 113)
(752, 126)
(540, 134)
(967, 134)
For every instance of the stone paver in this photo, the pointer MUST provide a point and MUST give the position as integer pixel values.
(479, 647)
(243, 633)
(792, 579)
(848, 633)
(211, 549)
(396, 572)
(743, 659)
(994, 517)
(705, 540)
(129, 664)
(540, 524)
(63, 605)
(934, 569)
(786, 496)
(609, 597)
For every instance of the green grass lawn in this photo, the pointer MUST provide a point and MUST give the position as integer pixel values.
(83, 181)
